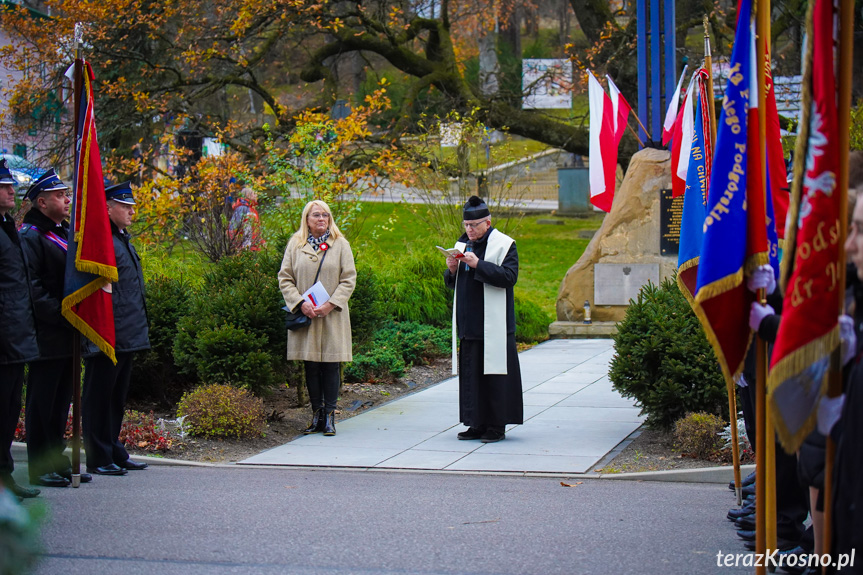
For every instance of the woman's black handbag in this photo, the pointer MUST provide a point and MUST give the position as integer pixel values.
(297, 319)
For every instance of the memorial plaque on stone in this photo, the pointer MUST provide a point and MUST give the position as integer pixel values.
(670, 216)
(616, 284)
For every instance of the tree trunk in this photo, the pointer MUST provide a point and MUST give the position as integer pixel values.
(489, 69)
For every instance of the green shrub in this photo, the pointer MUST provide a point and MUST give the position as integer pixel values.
(414, 290)
(231, 355)
(531, 322)
(663, 360)
(378, 364)
(154, 374)
(222, 411)
(395, 347)
(417, 343)
(699, 435)
(240, 297)
(367, 313)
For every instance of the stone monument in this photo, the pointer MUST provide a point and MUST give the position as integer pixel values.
(625, 253)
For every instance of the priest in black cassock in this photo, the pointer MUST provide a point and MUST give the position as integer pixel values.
(484, 327)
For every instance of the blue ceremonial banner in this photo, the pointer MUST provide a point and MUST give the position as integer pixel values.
(692, 222)
(722, 300)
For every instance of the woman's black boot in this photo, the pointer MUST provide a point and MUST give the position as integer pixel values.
(317, 424)
(330, 423)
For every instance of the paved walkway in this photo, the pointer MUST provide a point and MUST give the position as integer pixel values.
(572, 418)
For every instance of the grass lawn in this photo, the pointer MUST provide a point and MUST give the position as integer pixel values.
(545, 251)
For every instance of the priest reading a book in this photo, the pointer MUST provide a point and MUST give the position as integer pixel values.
(484, 352)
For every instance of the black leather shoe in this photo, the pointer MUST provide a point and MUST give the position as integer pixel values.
(330, 424)
(112, 469)
(67, 473)
(49, 480)
(746, 535)
(781, 544)
(471, 433)
(748, 490)
(738, 512)
(492, 436)
(748, 480)
(317, 424)
(133, 465)
(746, 523)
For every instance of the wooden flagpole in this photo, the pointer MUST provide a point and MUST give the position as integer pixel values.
(765, 483)
(708, 65)
(834, 386)
(76, 336)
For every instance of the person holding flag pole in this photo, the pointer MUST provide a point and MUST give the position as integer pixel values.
(848, 462)
(737, 242)
(90, 264)
(804, 382)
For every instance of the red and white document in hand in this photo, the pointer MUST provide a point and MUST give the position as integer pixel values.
(316, 295)
(454, 252)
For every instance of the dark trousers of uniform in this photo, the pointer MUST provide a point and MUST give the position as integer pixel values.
(489, 401)
(792, 497)
(322, 381)
(11, 383)
(103, 406)
(49, 392)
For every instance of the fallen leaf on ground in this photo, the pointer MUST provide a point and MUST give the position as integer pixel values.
(571, 484)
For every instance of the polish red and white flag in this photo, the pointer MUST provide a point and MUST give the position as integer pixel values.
(681, 147)
(620, 108)
(603, 145)
(671, 113)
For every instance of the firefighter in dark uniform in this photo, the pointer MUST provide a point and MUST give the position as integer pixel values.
(17, 330)
(49, 381)
(106, 384)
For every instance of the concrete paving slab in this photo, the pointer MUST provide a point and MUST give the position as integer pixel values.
(316, 455)
(447, 441)
(592, 414)
(422, 459)
(522, 463)
(532, 398)
(530, 411)
(572, 419)
(558, 385)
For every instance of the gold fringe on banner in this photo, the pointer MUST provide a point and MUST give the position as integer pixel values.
(74, 299)
(790, 367)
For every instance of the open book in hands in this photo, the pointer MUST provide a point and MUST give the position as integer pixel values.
(454, 252)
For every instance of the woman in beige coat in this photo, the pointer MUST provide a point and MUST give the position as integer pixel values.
(327, 341)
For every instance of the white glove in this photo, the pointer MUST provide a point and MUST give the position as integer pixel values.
(829, 410)
(757, 313)
(847, 338)
(741, 381)
(762, 277)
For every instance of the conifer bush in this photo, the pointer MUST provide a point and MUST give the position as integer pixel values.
(234, 332)
(220, 410)
(663, 359)
(154, 374)
(395, 347)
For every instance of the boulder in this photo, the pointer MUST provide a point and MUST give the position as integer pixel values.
(629, 234)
